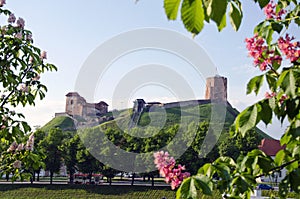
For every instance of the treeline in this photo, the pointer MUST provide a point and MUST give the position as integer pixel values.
(97, 149)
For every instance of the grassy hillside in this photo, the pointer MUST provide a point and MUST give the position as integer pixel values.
(170, 116)
(173, 116)
(63, 122)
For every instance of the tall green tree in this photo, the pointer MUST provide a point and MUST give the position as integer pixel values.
(87, 163)
(70, 149)
(51, 148)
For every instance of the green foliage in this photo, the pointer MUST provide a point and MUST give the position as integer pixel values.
(194, 12)
(21, 65)
(255, 84)
(50, 147)
(192, 15)
(237, 177)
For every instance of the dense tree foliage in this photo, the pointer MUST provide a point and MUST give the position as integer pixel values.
(21, 66)
(50, 146)
(271, 44)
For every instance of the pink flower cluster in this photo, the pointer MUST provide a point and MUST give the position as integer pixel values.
(273, 94)
(270, 95)
(270, 11)
(14, 147)
(289, 49)
(30, 143)
(166, 167)
(263, 56)
(17, 164)
(2, 2)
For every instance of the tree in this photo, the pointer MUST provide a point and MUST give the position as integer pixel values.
(109, 173)
(70, 148)
(87, 163)
(271, 44)
(51, 148)
(21, 66)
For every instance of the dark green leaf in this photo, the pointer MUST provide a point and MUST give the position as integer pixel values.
(266, 112)
(263, 3)
(193, 190)
(217, 12)
(276, 27)
(271, 80)
(222, 24)
(246, 120)
(254, 84)
(294, 180)
(235, 16)
(183, 191)
(287, 82)
(203, 183)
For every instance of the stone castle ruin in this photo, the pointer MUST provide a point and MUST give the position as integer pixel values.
(216, 92)
(77, 106)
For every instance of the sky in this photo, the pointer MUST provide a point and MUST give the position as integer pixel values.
(71, 30)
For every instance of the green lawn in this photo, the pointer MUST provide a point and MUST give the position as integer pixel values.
(87, 191)
(84, 191)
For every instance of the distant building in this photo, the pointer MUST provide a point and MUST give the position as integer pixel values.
(77, 106)
(271, 147)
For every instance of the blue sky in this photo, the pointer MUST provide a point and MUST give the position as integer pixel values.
(70, 30)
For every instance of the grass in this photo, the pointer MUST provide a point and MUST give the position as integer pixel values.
(270, 193)
(84, 191)
(62, 122)
(25, 191)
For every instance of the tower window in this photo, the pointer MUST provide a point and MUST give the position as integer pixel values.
(71, 102)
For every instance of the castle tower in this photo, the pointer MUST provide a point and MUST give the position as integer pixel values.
(75, 104)
(216, 88)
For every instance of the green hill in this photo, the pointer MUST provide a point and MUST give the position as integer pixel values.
(171, 115)
(63, 122)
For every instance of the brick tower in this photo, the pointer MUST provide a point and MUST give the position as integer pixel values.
(216, 88)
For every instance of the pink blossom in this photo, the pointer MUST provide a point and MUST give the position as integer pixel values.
(264, 57)
(270, 95)
(21, 23)
(24, 88)
(167, 169)
(2, 2)
(282, 99)
(270, 11)
(20, 147)
(17, 164)
(289, 49)
(31, 60)
(43, 55)
(19, 35)
(12, 147)
(36, 78)
(30, 143)
(11, 18)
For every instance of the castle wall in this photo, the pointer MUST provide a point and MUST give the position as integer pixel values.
(77, 105)
(74, 106)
